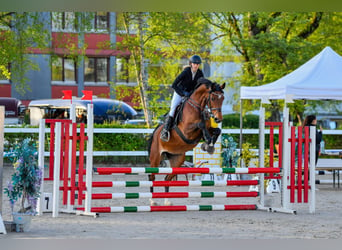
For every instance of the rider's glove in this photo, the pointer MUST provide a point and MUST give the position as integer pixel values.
(186, 93)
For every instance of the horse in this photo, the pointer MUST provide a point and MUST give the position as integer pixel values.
(193, 122)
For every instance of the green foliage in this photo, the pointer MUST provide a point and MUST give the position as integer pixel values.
(229, 154)
(233, 121)
(19, 32)
(26, 180)
(266, 159)
(160, 40)
(247, 154)
(113, 142)
(273, 44)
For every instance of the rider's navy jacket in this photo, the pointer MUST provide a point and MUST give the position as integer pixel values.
(184, 83)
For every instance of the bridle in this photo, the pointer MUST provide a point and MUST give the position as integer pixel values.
(207, 107)
(210, 109)
(206, 113)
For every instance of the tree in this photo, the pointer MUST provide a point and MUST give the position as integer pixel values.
(270, 44)
(19, 32)
(160, 39)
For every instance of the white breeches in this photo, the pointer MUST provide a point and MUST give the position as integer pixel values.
(176, 99)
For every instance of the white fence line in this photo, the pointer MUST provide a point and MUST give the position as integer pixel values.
(245, 132)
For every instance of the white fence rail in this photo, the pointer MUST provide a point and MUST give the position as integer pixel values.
(245, 133)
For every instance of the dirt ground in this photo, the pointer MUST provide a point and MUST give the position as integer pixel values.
(326, 223)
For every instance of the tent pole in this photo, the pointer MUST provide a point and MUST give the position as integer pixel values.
(240, 140)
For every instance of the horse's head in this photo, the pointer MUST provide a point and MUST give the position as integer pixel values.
(213, 97)
(215, 101)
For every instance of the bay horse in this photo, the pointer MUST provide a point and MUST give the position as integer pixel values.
(192, 123)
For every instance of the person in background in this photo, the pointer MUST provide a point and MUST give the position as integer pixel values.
(311, 120)
(183, 86)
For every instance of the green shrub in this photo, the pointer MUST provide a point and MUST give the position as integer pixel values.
(233, 121)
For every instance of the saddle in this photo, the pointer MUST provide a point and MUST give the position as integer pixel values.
(179, 112)
(178, 118)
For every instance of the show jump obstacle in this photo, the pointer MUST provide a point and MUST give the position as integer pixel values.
(74, 182)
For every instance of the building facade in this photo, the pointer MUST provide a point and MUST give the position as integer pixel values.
(60, 70)
(99, 67)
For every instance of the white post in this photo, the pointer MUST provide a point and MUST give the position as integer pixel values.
(70, 208)
(41, 164)
(286, 160)
(56, 170)
(312, 168)
(285, 194)
(261, 154)
(89, 164)
(73, 112)
(2, 122)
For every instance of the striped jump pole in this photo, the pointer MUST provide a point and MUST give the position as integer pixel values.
(172, 208)
(173, 183)
(108, 171)
(99, 196)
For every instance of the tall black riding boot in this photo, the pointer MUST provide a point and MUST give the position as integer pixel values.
(165, 133)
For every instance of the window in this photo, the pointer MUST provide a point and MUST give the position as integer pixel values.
(101, 21)
(63, 21)
(63, 69)
(98, 21)
(96, 69)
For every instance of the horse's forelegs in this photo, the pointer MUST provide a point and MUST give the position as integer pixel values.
(216, 132)
(151, 177)
(206, 135)
(211, 147)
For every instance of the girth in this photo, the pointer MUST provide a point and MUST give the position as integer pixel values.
(186, 140)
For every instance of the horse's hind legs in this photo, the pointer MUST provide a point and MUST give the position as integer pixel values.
(152, 177)
(168, 177)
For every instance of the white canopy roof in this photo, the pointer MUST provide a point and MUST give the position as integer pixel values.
(318, 78)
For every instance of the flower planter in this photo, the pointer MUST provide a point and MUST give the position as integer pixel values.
(22, 221)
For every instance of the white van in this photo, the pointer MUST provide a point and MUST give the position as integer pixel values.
(104, 110)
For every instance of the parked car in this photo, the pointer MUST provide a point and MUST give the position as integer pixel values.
(105, 110)
(14, 110)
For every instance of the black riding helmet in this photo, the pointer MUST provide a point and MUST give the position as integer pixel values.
(195, 59)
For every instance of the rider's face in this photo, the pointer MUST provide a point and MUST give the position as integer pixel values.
(194, 66)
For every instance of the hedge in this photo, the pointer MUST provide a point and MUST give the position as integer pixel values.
(138, 142)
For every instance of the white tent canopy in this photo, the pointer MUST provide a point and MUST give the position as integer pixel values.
(318, 78)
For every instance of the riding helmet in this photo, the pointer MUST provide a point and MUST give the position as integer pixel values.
(195, 59)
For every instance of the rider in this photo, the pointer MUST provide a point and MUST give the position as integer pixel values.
(183, 86)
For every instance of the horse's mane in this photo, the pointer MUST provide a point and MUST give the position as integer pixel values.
(208, 84)
(201, 81)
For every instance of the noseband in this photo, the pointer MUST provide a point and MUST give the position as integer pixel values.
(209, 108)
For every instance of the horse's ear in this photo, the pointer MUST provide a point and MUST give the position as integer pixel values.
(223, 85)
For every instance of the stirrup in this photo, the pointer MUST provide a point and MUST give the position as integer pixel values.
(165, 137)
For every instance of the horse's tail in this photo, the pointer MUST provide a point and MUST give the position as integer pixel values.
(150, 139)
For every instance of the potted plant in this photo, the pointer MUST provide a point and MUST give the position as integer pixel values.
(25, 183)
(230, 155)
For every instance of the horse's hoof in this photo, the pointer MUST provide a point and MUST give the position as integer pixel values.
(167, 202)
(204, 146)
(153, 203)
(211, 150)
